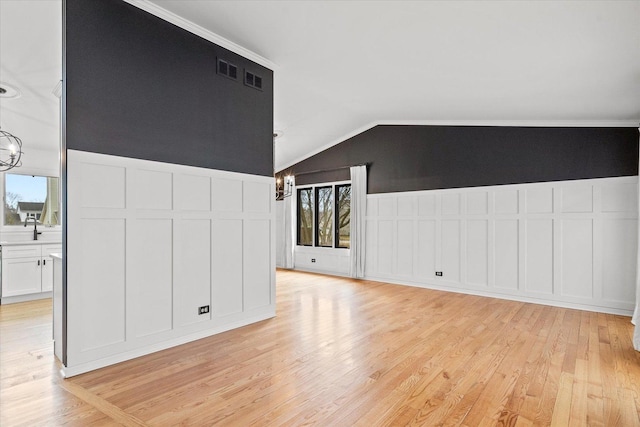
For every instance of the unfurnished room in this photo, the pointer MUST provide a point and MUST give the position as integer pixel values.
(331, 213)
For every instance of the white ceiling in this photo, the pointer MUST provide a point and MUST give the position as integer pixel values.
(343, 66)
(31, 61)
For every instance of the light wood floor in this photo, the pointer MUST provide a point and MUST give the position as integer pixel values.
(342, 353)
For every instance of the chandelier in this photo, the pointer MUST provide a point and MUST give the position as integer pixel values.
(10, 151)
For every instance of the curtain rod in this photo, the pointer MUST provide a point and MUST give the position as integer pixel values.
(329, 170)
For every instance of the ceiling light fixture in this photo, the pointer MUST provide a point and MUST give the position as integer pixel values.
(10, 151)
(8, 91)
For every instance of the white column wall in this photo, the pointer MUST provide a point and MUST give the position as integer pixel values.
(148, 243)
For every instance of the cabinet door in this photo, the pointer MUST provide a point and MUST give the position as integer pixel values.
(21, 276)
(47, 274)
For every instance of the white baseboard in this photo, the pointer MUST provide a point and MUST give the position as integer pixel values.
(25, 298)
(68, 372)
(518, 298)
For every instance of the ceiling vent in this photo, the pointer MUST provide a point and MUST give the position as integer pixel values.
(227, 69)
(252, 80)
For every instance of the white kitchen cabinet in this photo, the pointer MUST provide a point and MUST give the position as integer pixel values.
(21, 276)
(27, 271)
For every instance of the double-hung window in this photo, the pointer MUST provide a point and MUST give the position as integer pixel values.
(324, 216)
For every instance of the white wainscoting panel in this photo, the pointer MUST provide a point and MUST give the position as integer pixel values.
(150, 281)
(192, 270)
(110, 180)
(619, 250)
(539, 253)
(577, 257)
(148, 243)
(477, 252)
(565, 243)
(99, 301)
(257, 242)
(505, 249)
(227, 267)
(193, 192)
(450, 249)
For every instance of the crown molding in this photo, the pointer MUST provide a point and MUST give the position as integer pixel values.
(517, 123)
(196, 29)
(497, 123)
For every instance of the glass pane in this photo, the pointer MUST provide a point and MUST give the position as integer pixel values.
(344, 216)
(29, 196)
(325, 216)
(305, 216)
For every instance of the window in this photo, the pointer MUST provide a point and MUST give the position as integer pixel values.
(324, 227)
(343, 220)
(305, 216)
(324, 216)
(27, 196)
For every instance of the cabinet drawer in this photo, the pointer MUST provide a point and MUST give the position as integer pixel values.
(10, 252)
(51, 249)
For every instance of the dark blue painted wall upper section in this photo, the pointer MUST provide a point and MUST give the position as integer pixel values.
(138, 86)
(408, 158)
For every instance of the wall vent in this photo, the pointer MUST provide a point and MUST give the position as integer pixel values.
(227, 69)
(252, 80)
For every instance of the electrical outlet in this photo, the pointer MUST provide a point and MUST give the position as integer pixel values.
(438, 273)
(313, 260)
(203, 310)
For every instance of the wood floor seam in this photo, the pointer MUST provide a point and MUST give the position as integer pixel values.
(102, 405)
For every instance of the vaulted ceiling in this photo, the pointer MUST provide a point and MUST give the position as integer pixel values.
(344, 66)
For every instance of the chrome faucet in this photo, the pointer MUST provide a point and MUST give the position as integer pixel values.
(35, 226)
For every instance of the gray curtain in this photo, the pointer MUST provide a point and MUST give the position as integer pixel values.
(358, 216)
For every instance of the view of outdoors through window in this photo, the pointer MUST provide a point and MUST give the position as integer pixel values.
(324, 215)
(27, 196)
(305, 216)
(344, 216)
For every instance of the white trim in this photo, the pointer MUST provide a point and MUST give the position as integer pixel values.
(508, 297)
(196, 29)
(28, 297)
(631, 179)
(68, 372)
(323, 184)
(493, 123)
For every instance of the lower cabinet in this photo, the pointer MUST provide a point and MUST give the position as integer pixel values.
(27, 269)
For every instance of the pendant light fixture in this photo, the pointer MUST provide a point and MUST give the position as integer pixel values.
(10, 151)
(10, 145)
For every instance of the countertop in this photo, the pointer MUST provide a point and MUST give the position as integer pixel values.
(56, 256)
(32, 242)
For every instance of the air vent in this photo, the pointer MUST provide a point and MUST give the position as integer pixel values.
(227, 69)
(252, 80)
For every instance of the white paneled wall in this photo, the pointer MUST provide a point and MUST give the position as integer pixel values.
(568, 243)
(322, 260)
(148, 243)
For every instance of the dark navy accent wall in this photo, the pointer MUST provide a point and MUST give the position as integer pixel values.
(138, 86)
(409, 158)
